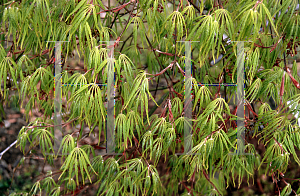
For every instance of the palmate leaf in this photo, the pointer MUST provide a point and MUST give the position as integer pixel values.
(169, 138)
(106, 33)
(154, 18)
(287, 190)
(210, 29)
(265, 11)
(148, 141)
(288, 142)
(12, 16)
(77, 158)
(67, 145)
(36, 188)
(252, 64)
(56, 191)
(122, 130)
(96, 57)
(219, 144)
(7, 65)
(74, 83)
(27, 25)
(81, 6)
(104, 67)
(157, 150)
(217, 106)
(29, 65)
(176, 20)
(129, 68)
(140, 89)
(204, 95)
(274, 122)
(179, 124)
(226, 28)
(190, 14)
(253, 90)
(250, 17)
(42, 7)
(177, 107)
(41, 76)
(218, 141)
(255, 13)
(44, 138)
(88, 103)
(155, 178)
(23, 137)
(125, 126)
(286, 8)
(237, 165)
(134, 122)
(142, 175)
(79, 21)
(276, 157)
(137, 24)
(89, 150)
(48, 182)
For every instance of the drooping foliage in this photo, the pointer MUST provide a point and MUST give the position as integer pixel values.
(145, 41)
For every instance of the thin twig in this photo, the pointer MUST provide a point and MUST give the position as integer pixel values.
(115, 17)
(9, 147)
(207, 178)
(170, 87)
(124, 42)
(197, 8)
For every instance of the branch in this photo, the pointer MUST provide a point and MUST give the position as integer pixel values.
(282, 150)
(288, 184)
(116, 9)
(207, 178)
(193, 181)
(31, 127)
(295, 82)
(250, 108)
(197, 8)
(170, 87)
(9, 147)
(118, 39)
(163, 71)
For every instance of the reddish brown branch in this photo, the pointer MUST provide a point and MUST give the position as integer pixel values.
(207, 178)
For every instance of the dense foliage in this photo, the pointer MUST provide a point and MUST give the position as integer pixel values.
(149, 61)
